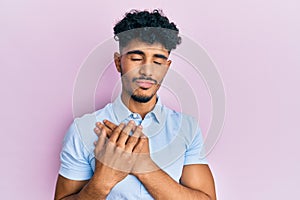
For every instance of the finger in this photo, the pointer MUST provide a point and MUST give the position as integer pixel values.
(102, 138)
(125, 134)
(140, 145)
(109, 124)
(133, 140)
(116, 132)
(99, 125)
(97, 131)
(100, 142)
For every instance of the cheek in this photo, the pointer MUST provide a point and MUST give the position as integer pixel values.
(127, 75)
(125, 68)
(160, 73)
(129, 69)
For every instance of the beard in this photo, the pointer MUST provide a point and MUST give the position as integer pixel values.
(141, 99)
(137, 97)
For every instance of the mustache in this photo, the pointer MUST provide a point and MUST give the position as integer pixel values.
(144, 78)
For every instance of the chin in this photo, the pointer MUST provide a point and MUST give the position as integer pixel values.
(142, 95)
(141, 99)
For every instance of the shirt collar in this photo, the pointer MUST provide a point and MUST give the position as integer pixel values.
(121, 112)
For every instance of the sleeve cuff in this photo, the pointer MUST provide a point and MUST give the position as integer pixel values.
(75, 175)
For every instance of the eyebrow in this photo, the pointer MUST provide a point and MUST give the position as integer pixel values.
(160, 56)
(142, 53)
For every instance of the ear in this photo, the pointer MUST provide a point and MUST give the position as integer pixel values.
(117, 59)
(169, 63)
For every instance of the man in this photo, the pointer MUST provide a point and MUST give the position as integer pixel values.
(140, 148)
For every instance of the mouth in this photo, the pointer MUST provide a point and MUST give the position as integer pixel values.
(144, 84)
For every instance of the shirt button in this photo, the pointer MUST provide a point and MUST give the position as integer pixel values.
(135, 115)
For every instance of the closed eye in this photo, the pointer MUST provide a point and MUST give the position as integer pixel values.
(158, 63)
(136, 59)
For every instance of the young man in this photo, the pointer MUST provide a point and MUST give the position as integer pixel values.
(143, 150)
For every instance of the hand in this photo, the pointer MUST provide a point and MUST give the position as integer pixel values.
(143, 162)
(107, 129)
(108, 126)
(115, 157)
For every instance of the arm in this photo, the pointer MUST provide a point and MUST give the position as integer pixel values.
(75, 166)
(113, 163)
(196, 183)
(196, 179)
(67, 189)
(199, 177)
(98, 187)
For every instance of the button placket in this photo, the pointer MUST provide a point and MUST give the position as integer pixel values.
(135, 115)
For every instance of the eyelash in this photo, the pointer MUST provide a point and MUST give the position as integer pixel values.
(139, 59)
(136, 59)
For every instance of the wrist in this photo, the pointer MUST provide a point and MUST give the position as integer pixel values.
(141, 176)
(144, 167)
(102, 187)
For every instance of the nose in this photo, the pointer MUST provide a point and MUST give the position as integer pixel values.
(146, 70)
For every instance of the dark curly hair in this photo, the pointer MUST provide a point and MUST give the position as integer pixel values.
(149, 27)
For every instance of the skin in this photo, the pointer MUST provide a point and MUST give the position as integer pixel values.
(137, 60)
(143, 67)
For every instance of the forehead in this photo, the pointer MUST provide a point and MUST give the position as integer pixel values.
(137, 44)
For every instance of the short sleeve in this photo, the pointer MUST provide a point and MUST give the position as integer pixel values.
(192, 154)
(74, 157)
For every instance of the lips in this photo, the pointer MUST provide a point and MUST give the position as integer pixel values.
(144, 83)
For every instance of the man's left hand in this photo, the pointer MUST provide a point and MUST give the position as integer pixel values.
(143, 163)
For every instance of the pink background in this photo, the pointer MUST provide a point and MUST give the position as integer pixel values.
(255, 44)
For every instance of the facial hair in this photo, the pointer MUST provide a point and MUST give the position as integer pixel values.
(140, 98)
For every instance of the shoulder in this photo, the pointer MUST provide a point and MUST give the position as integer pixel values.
(84, 126)
(179, 117)
(181, 123)
(89, 119)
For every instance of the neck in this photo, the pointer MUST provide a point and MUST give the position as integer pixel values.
(138, 107)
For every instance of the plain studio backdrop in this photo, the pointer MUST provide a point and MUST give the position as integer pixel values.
(254, 44)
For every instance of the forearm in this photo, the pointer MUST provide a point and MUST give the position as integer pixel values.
(161, 186)
(94, 189)
(89, 192)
